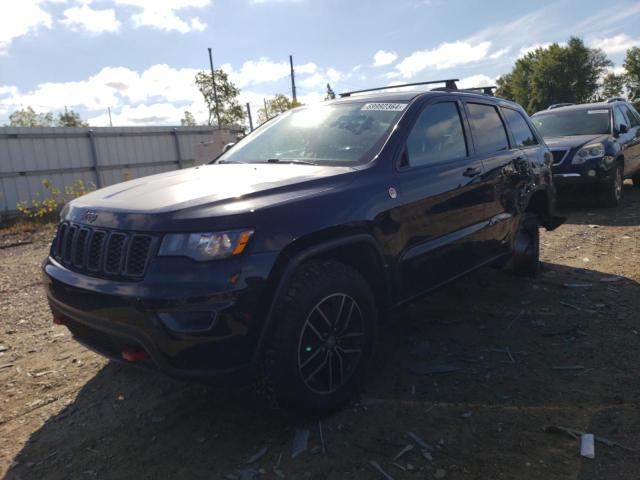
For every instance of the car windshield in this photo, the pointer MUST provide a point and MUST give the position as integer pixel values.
(333, 134)
(592, 121)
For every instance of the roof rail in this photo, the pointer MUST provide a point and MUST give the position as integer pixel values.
(450, 84)
(484, 90)
(558, 105)
(615, 99)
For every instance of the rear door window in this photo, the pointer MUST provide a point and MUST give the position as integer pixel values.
(437, 136)
(522, 133)
(489, 134)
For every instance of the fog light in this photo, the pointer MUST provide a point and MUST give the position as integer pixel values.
(188, 322)
(591, 173)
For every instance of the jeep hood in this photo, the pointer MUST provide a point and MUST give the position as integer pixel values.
(206, 185)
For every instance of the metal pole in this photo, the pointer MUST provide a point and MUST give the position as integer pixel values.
(266, 110)
(215, 92)
(110, 122)
(293, 80)
(176, 142)
(249, 114)
(94, 155)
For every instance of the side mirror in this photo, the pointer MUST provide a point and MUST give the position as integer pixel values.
(623, 129)
(227, 147)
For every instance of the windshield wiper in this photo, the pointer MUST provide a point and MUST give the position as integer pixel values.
(281, 160)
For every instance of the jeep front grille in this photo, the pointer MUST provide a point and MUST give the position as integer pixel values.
(559, 155)
(102, 252)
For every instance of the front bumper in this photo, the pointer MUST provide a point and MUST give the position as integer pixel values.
(111, 317)
(592, 172)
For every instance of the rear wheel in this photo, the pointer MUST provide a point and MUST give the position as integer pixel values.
(323, 337)
(526, 249)
(613, 188)
(636, 180)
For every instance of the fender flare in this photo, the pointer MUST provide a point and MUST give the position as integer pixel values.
(298, 259)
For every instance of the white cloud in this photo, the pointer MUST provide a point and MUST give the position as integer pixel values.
(21, 18)
(478, 80)
(616, 44)
(382, 58)
(532, 48)
(445, 55)
(499, 53)
(161, 14)
(265, 70)
(95, 21)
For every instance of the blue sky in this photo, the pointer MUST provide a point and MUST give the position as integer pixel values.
(139, 57)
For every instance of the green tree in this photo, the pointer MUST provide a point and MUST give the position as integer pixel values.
(231, 113)
(188, 120)
(278, 104)
(632, 77)
(505, 86)
(555, 74)
(70, 119)
(331, 95)
(27, 117)
(612, 86)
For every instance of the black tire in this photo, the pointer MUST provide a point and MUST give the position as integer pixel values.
(304, 339)
(612, 195)
(526, 250)
(636, 180)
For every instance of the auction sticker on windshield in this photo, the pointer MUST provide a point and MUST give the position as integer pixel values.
(384, 107)
(597, 111)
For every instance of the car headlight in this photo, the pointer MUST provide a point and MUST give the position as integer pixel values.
(595, 150)
(205, 246)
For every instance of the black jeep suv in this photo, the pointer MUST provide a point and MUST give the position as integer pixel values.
(283, 256)
(593, 145)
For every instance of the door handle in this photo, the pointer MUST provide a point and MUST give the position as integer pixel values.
(472, 171)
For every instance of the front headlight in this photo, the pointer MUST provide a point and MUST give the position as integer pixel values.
(595, 150)
(205, 246)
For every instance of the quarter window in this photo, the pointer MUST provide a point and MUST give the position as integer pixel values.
(520, 129)
(437, 136)
(489, 134)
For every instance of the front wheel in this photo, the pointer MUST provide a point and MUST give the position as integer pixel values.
(613, 188)
(323, 335)
(526, 248)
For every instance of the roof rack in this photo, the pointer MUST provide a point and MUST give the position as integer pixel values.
(615, 99)
(559, 105)
(450, 84)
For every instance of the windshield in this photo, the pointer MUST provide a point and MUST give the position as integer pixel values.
(594, 121)
(334, 134)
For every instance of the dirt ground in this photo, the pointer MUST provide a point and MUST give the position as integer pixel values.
(531, 354)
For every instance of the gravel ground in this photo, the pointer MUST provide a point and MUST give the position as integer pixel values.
(531, 354)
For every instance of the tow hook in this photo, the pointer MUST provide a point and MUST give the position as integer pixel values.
(134, 354)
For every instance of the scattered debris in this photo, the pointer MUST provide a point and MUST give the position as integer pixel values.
(573, 433)
(258, 455)
(427, 455)
(6, 365)
(577, 285)
(3, 348)
(399, 466)
(406, 449)
(16, 244)
(379, 469)
(300, 442)
(587, 447)
(419, 441)
(440, 473)
(421, 368)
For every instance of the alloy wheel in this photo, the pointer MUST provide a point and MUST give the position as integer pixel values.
(331, 343)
